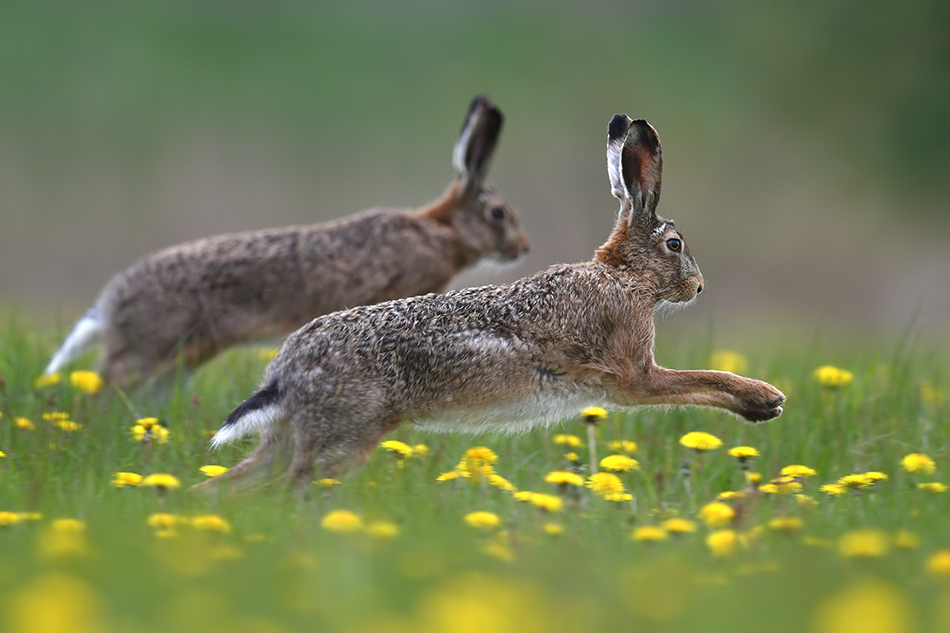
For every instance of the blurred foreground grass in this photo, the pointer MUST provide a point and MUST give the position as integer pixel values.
(407, 558)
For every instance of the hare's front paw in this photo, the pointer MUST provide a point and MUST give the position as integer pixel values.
(762, 403)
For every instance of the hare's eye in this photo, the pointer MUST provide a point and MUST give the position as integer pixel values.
(674, 244)
(498, 213)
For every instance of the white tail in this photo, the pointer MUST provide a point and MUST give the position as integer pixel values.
(84, 336)
(262, 409)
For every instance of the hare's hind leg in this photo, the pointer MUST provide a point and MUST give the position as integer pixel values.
(274, 447)
(337, 444)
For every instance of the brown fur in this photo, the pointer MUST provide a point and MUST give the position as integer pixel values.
(508, 357)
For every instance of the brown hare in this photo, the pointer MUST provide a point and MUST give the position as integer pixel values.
(505, 357)
(194, 300)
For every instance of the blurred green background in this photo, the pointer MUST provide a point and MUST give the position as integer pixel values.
(807, 145)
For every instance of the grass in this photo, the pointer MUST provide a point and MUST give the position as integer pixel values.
(271, 566)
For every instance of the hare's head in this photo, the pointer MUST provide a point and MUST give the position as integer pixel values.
(486, 224)
(647, 245)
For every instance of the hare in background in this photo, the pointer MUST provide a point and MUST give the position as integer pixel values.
(496, 357)
(194, 300)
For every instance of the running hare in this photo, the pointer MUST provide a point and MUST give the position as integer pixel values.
(497, 357)
(197, 299)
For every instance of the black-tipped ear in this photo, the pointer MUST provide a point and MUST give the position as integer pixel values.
(641, 167)
(477, 142)
(616, 133)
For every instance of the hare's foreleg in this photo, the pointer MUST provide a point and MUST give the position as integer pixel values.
(754, 400)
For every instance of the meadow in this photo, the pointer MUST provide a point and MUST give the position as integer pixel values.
(675, 531)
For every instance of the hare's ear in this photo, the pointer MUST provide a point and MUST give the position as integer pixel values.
(634, 164)
(476, 143)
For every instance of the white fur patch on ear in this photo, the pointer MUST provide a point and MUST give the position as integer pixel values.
(616, 135)
(659, 230)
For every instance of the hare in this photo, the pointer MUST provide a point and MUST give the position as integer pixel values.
(196, 299)
(505, 357)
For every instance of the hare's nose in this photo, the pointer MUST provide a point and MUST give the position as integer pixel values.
(699, 288)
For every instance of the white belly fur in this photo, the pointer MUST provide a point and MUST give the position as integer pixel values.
(544, 409)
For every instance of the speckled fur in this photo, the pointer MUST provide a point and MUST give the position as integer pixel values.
(503, 357)
(199, 298)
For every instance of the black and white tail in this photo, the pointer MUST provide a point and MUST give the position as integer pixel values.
(260, 410)
(85, 335)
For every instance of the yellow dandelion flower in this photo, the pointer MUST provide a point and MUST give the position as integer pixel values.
(616, 497)
(55, 416)
(649, 534)
(727, 360)
(678, 525)
(211, 523)
(619, 464)
(834, 490)
(728, 495)
(564, 478)
(123, 479)
(874, 476)
(449, 476)
(854, 481)
(2, 454)
(9, 518)
(623, 446)
(722, 543)
(30, 516)
(553, 529)
(786, 524)
(213, 470)
(866, 606)
(420, 450)
(572, 457)
(150, 430)
(498, 481)
(47, 380)
(905, 539)
(68, 526)
(782, 486)
(571, 441)
(592, 414)
(68, 425)
(382, 530)
(863, 544)
(478, 455)
(743, 453)
(605, 484)
(523, 495)
(88, 382)
(165, 520)
(400, 449)
(549, 503)
(934, 486)
(63, 538)
(482, 519)
(327, 482)
(716, 514)
(342, 521)
(938, 564)
(918, 463)
(753, 479)
(700, 441)
(806, 502)
(162, 481)
(24, 424)
(797, 470)
(833, 377)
